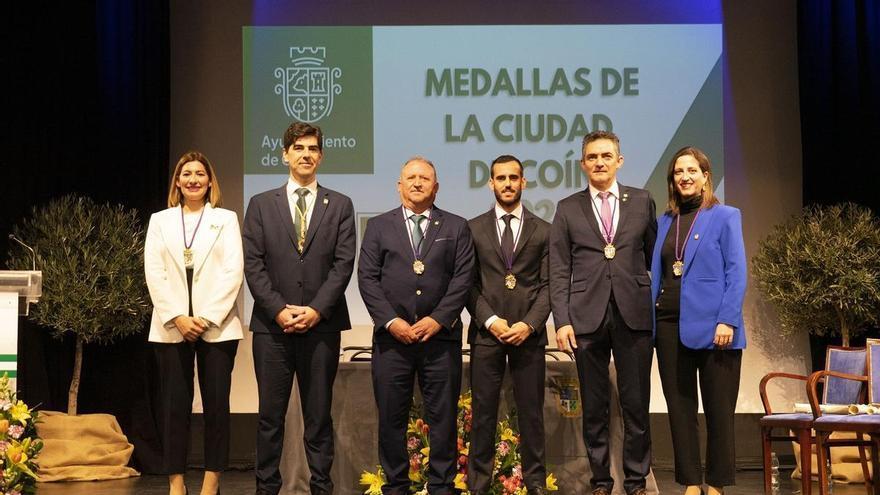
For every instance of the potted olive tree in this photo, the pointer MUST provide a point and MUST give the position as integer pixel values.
(821, 271)
(91, 256)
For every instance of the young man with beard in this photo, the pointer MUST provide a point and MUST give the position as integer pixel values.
(509, 306)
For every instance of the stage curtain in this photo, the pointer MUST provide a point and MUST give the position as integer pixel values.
(839, 72)
(86, 110)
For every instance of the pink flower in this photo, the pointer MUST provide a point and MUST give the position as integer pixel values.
(412, 443)
(503, 448)
(15, 431)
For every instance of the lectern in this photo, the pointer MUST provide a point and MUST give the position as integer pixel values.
(18, 289)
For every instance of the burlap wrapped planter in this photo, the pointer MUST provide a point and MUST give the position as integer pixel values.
(86, 447)
(845, 464)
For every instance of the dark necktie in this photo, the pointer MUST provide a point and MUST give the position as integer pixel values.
(300, 220)
(507, 239)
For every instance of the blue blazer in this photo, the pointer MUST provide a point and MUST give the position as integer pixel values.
(713, 284)
(389, 287)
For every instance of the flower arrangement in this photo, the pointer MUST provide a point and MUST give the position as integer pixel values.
(19, 444)
(507, 475)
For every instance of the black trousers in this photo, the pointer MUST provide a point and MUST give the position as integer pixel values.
(633, 352)
(528, 369)
(719, 372)
(313, 359)
(214, 362)
(437, 364)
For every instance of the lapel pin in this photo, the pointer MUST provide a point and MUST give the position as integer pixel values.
(436, 222)
(326, 201)
(696, 236)
(625, 196)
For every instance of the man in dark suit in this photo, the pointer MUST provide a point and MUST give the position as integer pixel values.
(414, 273)
(509, 305)
(600, 253)
(299, 249)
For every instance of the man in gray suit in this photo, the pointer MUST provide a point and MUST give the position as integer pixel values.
(414, 274)
(509, 306)
(600, 252)
(299, 249)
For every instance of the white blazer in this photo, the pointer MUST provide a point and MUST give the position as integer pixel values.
(217, 274)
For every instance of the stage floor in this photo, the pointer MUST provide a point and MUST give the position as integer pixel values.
(242, 482)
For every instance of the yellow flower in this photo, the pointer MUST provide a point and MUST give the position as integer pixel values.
(373, 482)
(508, 435)
(459, 482)
(464, 401)
(551, 483)
(521, 491)
(20, 412)
(411, 427)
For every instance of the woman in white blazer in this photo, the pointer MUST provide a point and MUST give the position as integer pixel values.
(194, 264)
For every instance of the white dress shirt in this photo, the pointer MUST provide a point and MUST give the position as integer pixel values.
(515, 227)
(613, 201)
(408, 224)
(426, 221)
(293, 197)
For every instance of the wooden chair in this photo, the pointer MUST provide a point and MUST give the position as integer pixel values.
(797, 427)
(861, 424)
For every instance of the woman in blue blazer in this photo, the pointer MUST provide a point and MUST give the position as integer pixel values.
(698, 284)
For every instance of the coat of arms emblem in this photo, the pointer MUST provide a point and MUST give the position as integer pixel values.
(307, 87)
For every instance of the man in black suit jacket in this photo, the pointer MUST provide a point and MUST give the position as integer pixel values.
(509, 306)
(414, 273)
(600, 254)
(299, 249)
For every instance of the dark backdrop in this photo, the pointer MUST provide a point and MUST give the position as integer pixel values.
(839, 72)
(86, 110)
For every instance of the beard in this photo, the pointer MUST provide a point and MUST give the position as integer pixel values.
(503, 202)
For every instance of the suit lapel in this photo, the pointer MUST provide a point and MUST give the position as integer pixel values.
(586, 204)
(698, 232)
(528, 225)
(172, 232)
(209, 231)
(283, 206)
(622, 209)
(322, 202)
(490, 229)
(400, 228)
(434, 225)
(663, 226)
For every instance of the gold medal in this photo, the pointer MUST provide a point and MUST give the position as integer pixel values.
(677, 268)
(510, 281)
(610, 251)
(418, 267)
(187, 257)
